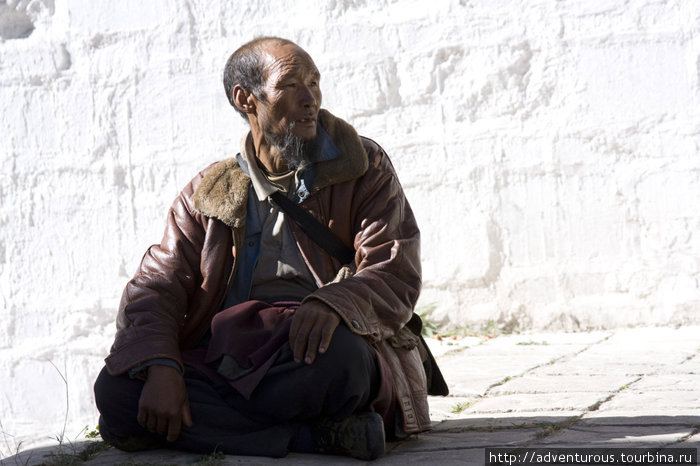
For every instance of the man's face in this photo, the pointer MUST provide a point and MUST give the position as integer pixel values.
(293, 95)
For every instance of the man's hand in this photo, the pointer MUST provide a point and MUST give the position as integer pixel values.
(312, 328)
(164, 405)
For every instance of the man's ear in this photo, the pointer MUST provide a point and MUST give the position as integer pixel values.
(243, 100)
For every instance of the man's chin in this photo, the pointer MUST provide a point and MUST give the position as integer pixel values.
(297, 146)
(305, 134)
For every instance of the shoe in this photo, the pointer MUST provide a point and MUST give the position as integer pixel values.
(360, 436)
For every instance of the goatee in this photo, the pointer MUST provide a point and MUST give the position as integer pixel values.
(295, 151)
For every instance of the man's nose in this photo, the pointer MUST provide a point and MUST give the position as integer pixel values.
(306, 96)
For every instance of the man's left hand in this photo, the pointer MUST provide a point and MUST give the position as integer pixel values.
(312, 328)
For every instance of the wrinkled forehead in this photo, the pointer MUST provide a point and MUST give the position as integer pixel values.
(287, 59)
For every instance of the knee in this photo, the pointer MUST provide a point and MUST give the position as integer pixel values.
(102, 386)
(351, 354)
(115, 391)
(105, 384)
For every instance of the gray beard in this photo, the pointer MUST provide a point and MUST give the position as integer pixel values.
(295, 151)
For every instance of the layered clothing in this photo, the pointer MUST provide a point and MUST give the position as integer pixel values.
(182, 282)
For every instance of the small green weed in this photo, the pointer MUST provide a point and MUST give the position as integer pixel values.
(212, 459)
(490, 329)
(429, 327)
(92, 434)
(461, 406)
(501, 382)
(551, 429)
(63, 458)
(547, 431)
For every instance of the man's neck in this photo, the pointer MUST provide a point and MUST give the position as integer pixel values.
(268, 156)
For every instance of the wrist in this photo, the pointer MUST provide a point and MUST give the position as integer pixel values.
(156, 370)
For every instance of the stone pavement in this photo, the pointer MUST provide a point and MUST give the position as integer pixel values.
(636, 387)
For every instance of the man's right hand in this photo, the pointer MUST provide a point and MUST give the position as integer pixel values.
(164, 405)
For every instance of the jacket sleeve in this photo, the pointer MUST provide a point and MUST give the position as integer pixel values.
(379, 298)
(155, 301)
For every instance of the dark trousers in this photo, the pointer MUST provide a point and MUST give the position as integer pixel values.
(340, 382)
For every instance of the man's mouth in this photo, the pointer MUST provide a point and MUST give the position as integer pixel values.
(307, 121)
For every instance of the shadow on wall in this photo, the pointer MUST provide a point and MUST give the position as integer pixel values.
(14, 24)
(17, 17)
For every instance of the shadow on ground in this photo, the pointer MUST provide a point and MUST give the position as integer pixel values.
(457, 441)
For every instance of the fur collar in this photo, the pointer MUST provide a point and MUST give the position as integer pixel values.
(223, 192)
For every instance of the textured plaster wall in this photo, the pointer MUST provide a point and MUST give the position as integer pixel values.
(549, 149)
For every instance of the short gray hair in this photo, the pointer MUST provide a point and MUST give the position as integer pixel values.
(246, 68)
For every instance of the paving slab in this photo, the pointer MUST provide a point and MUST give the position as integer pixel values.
(468, 383)
(575, 340)
(538, 381)
(475, 370)
(501, 421)
(666, 382)
(445, 347)
(644, 417)
(634, 352)
(536, 402)
(691, 442)
(657, 339)
(689, 366)
(451, 407)
(657, 401)
(600, 365)
(652, 346)
(456, 439)
(617, 436)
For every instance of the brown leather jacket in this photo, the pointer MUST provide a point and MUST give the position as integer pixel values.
(181, 283)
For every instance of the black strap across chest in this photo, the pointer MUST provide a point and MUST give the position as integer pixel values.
(320, 234)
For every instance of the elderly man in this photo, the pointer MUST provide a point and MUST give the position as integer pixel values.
(245, 332)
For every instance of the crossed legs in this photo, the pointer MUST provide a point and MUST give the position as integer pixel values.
(340, 382)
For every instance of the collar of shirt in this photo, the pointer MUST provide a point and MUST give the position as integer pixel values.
(327, 150)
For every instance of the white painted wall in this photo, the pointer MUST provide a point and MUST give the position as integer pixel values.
(549, 149)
